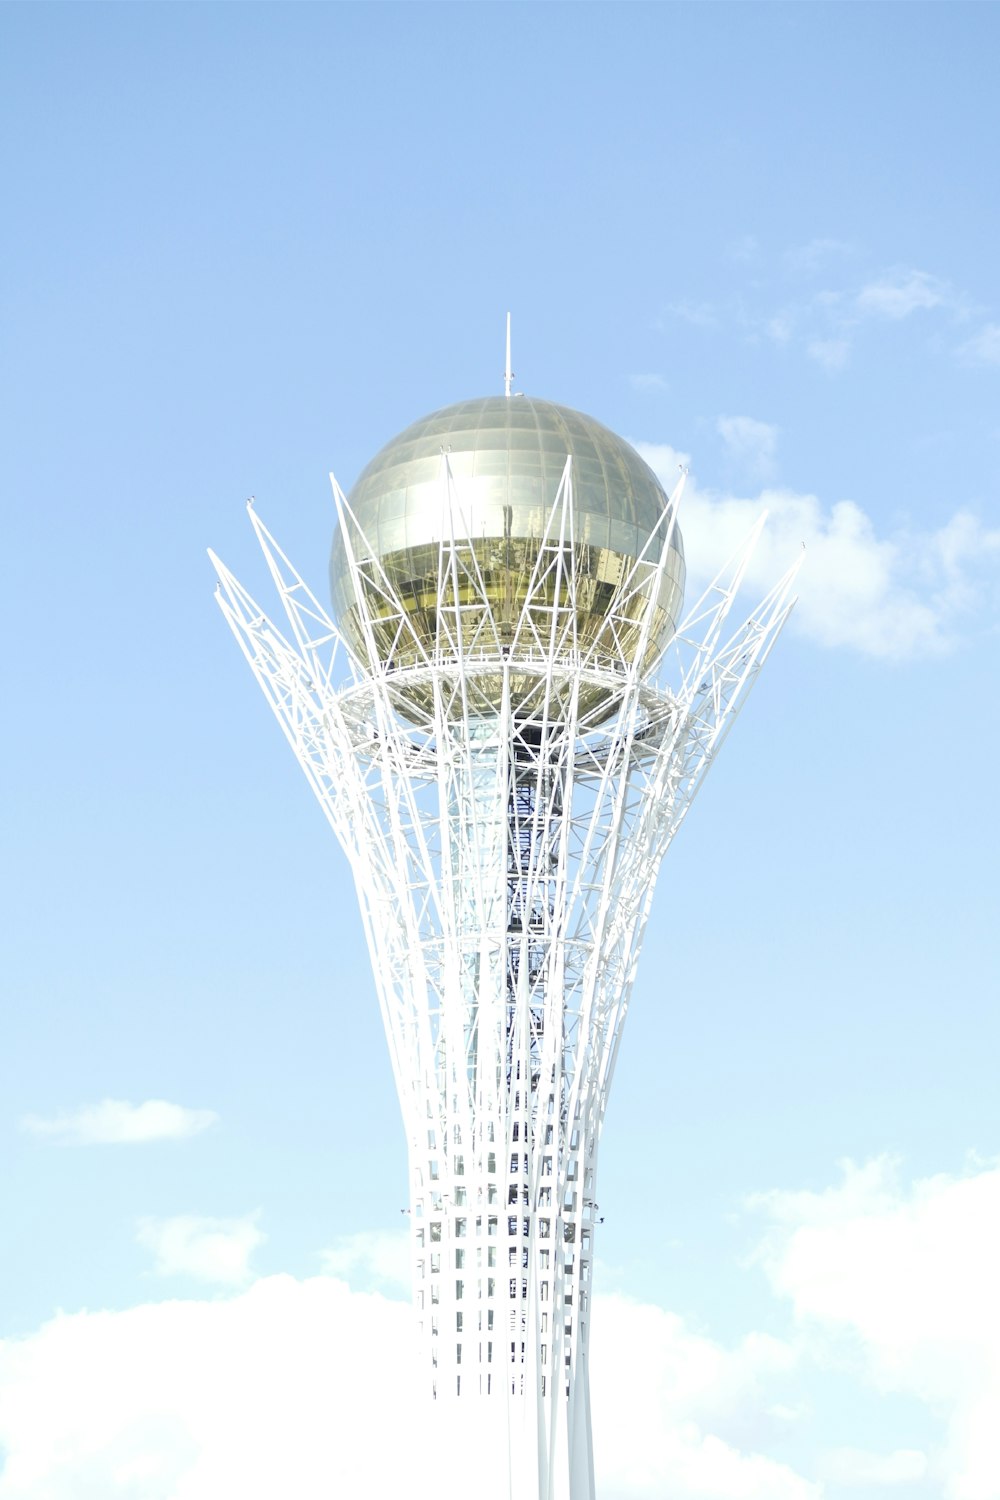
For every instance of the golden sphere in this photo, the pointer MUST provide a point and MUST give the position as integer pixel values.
(506, 457)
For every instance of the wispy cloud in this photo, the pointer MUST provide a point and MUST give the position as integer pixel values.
(832, 354)
(781, 326)
(858, 1468)
(650, 381)
(751, 444)
(984, 347)
(215, 1250)
(826, 321)
(814, 256)
(902, 292)
(831, 321)
(889, 596)
(700, 314)
(746, 248)
(372, 1258)
(115, 1122)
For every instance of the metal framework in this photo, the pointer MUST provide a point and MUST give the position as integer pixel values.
(504, 808)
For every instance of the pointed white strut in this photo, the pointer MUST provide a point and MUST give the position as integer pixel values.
(505, 863)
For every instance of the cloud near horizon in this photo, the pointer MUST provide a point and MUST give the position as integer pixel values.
(891, 1285)
(900, 1283)
(158, 1403)
(856, 1468)
(890, 597)
(376, 1259)
(214, 1250)
(117, 1122)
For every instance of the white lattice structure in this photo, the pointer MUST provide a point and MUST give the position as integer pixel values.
(504, 799)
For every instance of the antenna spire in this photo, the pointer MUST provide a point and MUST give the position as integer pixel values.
(508, 374)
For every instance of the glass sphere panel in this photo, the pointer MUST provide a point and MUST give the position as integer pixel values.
(507, 457)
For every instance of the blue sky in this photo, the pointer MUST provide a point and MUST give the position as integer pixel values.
(245, 245)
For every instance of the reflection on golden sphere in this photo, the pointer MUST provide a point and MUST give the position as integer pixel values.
(506, 456)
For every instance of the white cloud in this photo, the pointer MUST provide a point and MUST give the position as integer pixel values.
(216, 1250)
(649, 381)
(685, 1421)
(751, 444)
(888, 596)
(853, 1467)
(116, 1122)
(375, 1259)
(901, 1283)
(825, 322)
(781, 326)
(291, 1388)
(832, 354)
(700, 314)
(901, 293)
(891, 1284)
(809, 259)
(984, 348)
(311, 1389)
(746, 248)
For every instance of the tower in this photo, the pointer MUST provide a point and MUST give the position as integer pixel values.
(485, 722)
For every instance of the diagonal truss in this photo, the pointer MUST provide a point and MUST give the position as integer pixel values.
(505, 811)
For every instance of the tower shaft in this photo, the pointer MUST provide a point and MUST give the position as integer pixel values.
(505, 842)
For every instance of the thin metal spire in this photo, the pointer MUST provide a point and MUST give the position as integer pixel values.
(508, 374)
